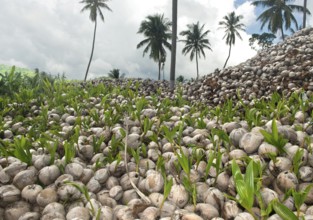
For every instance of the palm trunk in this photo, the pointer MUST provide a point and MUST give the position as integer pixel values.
(92, 49)
(282, 33)
(304, 13)
(197, 65)
(173, 50)
(228, 56)
(159, 69)
(163, 71)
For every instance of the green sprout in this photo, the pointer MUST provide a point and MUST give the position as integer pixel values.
(136, 156)
(184, 162)
(69, 151)
(211, 158)
(245, 185)
(197, 155)
(22, 150)
(191, 189)
(167, 189)
(297, 161)
(274, 138)
(160, 166)
(280, 209)
(299, 197)
(6, 149)
(83, 189)
(200, 123)
(52, 151)
(96, 143)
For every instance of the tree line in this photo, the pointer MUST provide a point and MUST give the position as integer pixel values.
(157, 30)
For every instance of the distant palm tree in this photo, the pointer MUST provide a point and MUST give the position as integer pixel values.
(195, 43)
(115, 74)
(277, 14)
(264, 40)
(156, 30)
(232, 25)
(180, 78)
(94, 6)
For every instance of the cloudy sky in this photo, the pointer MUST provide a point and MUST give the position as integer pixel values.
(54, 36)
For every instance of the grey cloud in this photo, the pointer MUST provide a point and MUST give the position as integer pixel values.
(54, 36)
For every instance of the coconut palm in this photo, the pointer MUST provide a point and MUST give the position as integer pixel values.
(264, 40)
(156, 30)
(115, 74)
(195, 43)
(180, 79)
(174, 39)
(278, 14)
(94, 7)
(231, 24)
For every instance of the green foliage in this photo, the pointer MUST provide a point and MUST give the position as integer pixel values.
(22, 148)
(156, 30)
(299, 197)
(191, 189)
(264, 40)
(252, 115)
(115, 74)
(180, 79)
(196, 41)
(6, 149)
(167, 189)
(136, 156)
(84, 190)
(69, 150)
(147, 125)
(168, 133)
(297, 161)
(113, 153)
(10, 83)
(211, 158)
(245, 184)
(179, 100)
(160, 166)
(226, 112)
(218, 137)
(274, 138)
(96, 143)
(200, 123)
(24, 71)
(278, 15)
(280, 209)
(52, 146)
(111, 117)
(184, 162)
(140, 105)
(231, 24)
(197, 155)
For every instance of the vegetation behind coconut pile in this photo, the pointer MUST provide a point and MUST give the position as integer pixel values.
(132, 149)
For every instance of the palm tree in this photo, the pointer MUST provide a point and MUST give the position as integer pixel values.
(264, 40)
(277, 14)
(195, 42)
(115, 74)
(156, 29)
(174, 39)
(180, 79)
(232, 25)
(94, 6)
